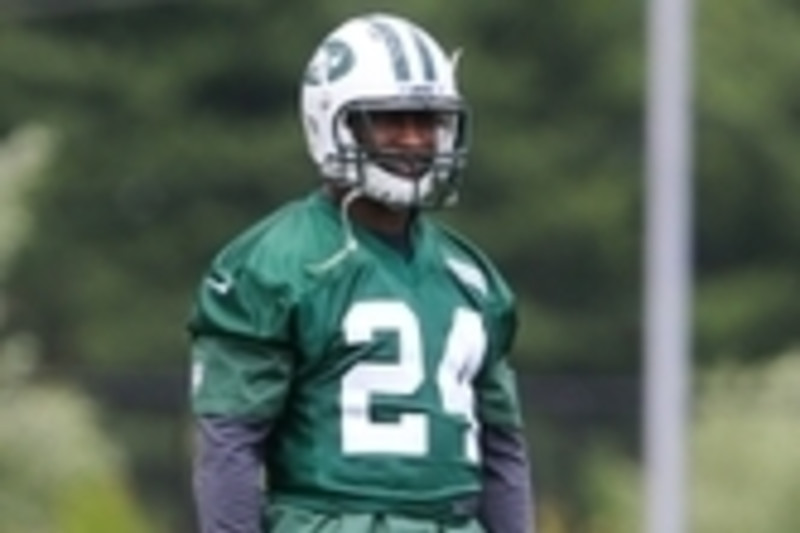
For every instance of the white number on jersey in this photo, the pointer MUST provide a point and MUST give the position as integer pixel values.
(409, 434)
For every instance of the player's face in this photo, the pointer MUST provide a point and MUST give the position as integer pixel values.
(402, 142)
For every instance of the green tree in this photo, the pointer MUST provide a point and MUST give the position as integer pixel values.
(748, 236)
(178, 131)
(176, 125)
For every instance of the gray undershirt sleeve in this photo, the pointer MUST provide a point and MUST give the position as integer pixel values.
(227, 475)
(506, 504)
(228, 471)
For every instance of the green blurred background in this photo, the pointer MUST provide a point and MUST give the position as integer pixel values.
(136, 136)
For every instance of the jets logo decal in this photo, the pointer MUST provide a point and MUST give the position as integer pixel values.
(468, 273)
(334, 62)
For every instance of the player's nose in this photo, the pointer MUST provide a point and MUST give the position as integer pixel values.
(415, 131)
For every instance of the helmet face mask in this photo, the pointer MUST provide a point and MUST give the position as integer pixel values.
(372, 131)
(425, 176)
(375, 67)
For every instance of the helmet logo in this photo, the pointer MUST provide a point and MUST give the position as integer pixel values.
(334, 61)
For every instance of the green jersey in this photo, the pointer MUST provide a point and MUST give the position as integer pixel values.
(377, 369)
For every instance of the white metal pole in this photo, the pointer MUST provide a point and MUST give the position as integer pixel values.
(668, 269)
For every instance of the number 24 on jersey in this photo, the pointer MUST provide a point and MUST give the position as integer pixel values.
(464, 350)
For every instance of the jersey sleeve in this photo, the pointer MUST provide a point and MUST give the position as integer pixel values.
(496, 386)
(241, 349)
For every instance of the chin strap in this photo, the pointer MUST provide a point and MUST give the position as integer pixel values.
(350, 242)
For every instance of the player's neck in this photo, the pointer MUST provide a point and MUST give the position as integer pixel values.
(380, 218)
(375, 216)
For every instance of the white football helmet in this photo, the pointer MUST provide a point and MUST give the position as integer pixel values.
(381, 62)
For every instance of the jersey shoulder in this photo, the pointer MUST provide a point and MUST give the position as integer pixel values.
(467, 262)
(255, 280)
(281, 247)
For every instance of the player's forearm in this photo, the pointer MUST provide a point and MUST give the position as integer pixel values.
(227, 476)
(507, 499)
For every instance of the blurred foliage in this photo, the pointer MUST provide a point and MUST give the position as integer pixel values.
(22, 158)
(748, 188)
(744, 461)
(165, 127)
(60, 473)
(178, 127)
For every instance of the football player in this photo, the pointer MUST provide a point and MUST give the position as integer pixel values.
(349, 352)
